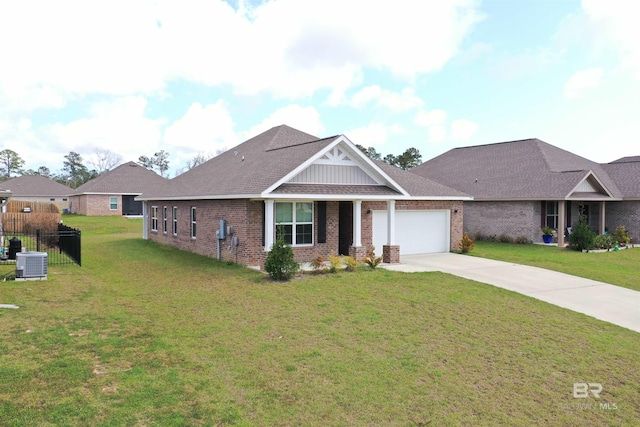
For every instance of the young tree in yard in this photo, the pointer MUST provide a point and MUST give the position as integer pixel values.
(409, 159)
(145, 161)
(161, 161)
(75, 173)
(10, 162)
(105, 160)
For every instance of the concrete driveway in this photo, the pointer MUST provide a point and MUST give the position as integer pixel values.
(614, 304)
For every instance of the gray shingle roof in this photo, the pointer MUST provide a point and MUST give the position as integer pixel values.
(626, 173)
(36, 186)
(525, 169)
(128, 178)
(259, 163)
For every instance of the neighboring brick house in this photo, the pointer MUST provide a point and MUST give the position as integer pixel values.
(114, 192)
(37, 188)
(518, 187)
(323, 196)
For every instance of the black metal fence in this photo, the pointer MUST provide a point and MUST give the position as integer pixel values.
(63, 246)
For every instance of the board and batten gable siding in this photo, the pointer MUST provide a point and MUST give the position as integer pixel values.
(333, 174)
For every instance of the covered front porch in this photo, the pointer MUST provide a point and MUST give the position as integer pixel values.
(561, 215)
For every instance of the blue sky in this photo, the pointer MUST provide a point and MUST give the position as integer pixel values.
(197, 77)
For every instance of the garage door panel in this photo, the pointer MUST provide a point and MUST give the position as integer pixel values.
(416, 231)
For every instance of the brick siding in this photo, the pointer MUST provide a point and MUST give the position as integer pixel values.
(246, 217)
(512, 219)
(94, 204)
(625, 213)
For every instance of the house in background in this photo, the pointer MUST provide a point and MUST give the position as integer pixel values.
(322, 196)
(37, 188)
(518, 187)
(114, 192)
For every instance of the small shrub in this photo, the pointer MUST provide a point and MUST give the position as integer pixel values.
(521, 240)
(503, 238)
(620, 236)
(371, 260)
(466, 244)
(335, 263)
(351, 263)
(318, 265)
(280, 263)
(582, 236)
(547, 231)
(603, 241)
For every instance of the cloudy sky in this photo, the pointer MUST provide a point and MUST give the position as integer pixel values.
(199, 76)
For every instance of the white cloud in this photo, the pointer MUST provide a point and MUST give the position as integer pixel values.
(583, 81)
(71, 48)
(463, 129)
(430, 118)
(305, 119)
(437, 133)
(119, 126)
(202, 129)
(616, 24)
(404, 100)
(374, 134)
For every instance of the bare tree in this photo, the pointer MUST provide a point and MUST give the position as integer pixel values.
(105, 160)
(198, 159)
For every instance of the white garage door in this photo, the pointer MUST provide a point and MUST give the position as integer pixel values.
(417, 232)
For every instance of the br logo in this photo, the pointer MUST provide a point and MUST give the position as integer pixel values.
(582, 390)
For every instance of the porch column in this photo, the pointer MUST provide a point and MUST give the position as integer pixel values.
(357, 223)
(561, 223)
(602, 216)
(145, 220)
(269, 224)
(391, 251)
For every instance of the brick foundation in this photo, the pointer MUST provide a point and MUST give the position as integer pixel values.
(391, 254)
(358, 253)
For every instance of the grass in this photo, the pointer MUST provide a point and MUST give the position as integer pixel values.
(146, 335)
(615, 267)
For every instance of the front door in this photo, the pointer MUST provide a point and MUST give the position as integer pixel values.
(345, 227)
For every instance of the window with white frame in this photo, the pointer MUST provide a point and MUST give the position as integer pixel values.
(113, 203)
(193, 222)
(294, 222)
(154, 218)
(175, 220)
(552, 215)
(164, 220)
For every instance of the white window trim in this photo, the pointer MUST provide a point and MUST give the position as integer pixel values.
(165, 226)
(293, 224)
(154, 218)
(111, 198)
(193, 222)
(174, 221)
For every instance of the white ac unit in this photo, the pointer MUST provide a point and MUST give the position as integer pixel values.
(31, 265)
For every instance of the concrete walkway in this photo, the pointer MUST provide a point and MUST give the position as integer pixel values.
(614, 304)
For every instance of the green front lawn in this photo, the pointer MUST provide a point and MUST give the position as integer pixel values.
(620, 268)
(146, 335)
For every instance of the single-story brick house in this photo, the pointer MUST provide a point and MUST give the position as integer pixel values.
(323, 195)
(37, 188)
(518, 187)
(114, 192)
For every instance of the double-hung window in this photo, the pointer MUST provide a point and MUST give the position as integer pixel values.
(164, 219)
(193, 222)
(294, 222)
(154, 218)
(175, 220)
(113, 203)
(552, 215)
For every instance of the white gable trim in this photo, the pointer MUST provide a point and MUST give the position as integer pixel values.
(362, 160)
(585, 180)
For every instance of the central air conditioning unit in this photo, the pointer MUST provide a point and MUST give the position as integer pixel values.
(31, 265)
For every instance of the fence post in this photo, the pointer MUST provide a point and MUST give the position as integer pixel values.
(38, 240)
